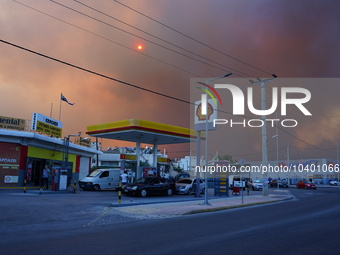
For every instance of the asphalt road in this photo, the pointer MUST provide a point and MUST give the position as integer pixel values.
(308, 224)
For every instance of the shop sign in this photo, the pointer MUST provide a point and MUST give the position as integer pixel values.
(9, 156)
(163, 160)
(11, 179)
(12, 123)
(84, 142)
(128, 157)
(46, 125)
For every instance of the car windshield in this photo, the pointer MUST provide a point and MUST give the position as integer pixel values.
(144, 180)
(95, 173)
(258, 181)
(185, 181)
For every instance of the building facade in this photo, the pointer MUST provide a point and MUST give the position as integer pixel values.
(23, 155)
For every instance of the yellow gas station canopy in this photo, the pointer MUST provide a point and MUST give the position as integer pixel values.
(147, 132)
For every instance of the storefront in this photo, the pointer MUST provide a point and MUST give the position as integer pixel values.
(23, 155)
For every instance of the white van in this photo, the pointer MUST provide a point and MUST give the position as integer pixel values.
(235, 181)
(101, 179)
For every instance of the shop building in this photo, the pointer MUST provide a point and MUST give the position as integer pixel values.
(23, 155)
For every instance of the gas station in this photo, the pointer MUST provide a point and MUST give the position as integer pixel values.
(142, 131)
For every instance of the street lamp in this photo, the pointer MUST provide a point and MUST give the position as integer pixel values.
(66, 149)
(277, 156)
(206, 138)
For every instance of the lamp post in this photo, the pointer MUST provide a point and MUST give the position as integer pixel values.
(66, 149)
(277, 157)
(206, 139)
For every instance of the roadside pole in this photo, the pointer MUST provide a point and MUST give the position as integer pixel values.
(264, 132)
(198, 163)
(120, 192)
(74, 186)
(337, 161)
(242, 181)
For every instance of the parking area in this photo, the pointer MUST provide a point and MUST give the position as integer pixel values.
(30, 208)
(104, 197)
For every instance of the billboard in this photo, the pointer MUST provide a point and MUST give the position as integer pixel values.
(12, 123)
(46, 125)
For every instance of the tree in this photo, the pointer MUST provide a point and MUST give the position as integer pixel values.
(177, 169)
(226, 157)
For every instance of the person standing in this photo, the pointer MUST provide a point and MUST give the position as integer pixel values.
(45, 175)
(124, 177)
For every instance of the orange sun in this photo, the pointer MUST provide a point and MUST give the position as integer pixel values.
(139, 47)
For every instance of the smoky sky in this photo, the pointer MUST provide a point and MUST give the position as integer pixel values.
(293, 39)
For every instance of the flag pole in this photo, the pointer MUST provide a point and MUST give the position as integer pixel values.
(60, 108)
(51, 110)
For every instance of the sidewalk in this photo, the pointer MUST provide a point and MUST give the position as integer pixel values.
(173, 209)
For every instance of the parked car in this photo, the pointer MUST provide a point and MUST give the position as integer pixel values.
(282, 183)
(257, 184)
(181, 176)
(334, 183)
(149, 185)
(101, 179)
(188, 186)
(304, 184)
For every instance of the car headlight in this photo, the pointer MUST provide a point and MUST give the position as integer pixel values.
(134, 187)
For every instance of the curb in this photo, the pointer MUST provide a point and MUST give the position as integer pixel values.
(234, 206)
(153, 203)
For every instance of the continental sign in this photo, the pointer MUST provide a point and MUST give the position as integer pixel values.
(12, 123)
(46, 125)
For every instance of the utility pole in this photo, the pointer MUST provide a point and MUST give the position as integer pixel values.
(288, 164)
(277, 152)
(337, 162)
(264, 131)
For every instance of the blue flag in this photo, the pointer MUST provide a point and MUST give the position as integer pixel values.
(64, 99)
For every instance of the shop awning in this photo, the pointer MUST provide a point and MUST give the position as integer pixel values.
(133, 130)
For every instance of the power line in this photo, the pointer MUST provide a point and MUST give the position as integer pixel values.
(312, 118)
(68, 23)
(157, 37)
(191, 38)
(101, 75)
(96, 73)
(283, 130)
(316, 147)
(105, 38)
(157, 44)
(132, 85)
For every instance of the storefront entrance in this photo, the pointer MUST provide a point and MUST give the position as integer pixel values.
(35, 167)
(34, 170)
